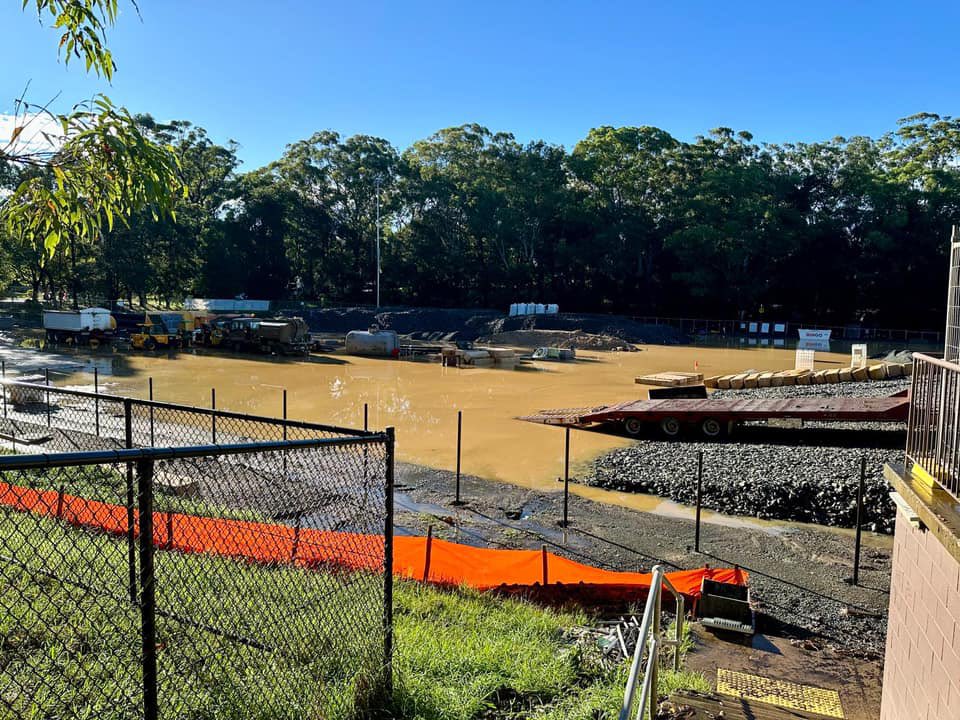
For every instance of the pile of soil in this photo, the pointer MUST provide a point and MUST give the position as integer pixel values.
(470, 324)
(557, 338)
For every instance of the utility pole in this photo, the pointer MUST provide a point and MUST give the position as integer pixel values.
(378, 242)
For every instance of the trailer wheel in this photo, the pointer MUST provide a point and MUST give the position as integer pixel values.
(633, 426)
(670, 427)
(150, 344)
(711, 428)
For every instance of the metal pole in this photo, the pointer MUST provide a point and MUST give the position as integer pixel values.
(46, 377)
(150, 390)
(366, 408)
(213, 415)
(856, 545)
(388, 564)
(654, 658)
(378, 242)
(148, 599)
(566, 479)
(459, 444)
(284, 414)
(543, 554)
(696, 537)
(96, 401)
(3, 374)
(427, 552)
(131, 498)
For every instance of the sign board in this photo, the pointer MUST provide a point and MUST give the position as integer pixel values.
(858, 356)
(815, 334)
(805, 359)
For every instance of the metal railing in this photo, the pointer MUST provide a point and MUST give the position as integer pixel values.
(650, 639)
(933, 426)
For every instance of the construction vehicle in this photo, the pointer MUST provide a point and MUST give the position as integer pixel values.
(281, 336)
(158, 330)
(90, 326)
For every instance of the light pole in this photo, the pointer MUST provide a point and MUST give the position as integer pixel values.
(378, 242)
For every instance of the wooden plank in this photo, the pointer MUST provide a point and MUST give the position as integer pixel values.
(878, 371)
(723, 382)
(709, 706)
(846, 374)
(711, 382)
(832, 375)
(751, 380)
(765, 379)
(861, 374)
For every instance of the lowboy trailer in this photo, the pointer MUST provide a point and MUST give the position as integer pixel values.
(716, 418)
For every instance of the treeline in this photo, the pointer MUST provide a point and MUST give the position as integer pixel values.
(631, 220)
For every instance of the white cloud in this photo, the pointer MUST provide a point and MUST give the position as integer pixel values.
(41, 133)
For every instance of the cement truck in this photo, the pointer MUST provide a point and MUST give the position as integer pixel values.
(281, 336)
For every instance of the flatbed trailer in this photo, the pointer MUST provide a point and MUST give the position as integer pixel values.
(714, 418)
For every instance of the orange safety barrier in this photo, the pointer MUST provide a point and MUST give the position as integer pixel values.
(418, 558)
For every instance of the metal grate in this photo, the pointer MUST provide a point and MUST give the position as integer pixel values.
(805, 698)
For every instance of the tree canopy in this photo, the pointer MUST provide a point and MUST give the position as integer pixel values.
(630, 220)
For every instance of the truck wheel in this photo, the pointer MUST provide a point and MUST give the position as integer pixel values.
(670, 427)
(711, 428)
(633, 426)
(94, 343)
(150, 344)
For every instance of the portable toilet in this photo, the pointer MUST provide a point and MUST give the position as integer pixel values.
(553, 309)
(514, 309)
(540, 309)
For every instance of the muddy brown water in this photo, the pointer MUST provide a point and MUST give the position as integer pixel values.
(422, 399)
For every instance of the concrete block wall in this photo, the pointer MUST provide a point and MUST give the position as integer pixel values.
(921, 677)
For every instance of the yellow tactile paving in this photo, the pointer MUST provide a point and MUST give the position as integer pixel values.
(780, 693)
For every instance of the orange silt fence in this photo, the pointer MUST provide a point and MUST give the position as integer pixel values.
(417, 558)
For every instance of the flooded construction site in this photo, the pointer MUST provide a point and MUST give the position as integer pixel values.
(422, 399)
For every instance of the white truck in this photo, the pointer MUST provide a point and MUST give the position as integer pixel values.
(90, 326)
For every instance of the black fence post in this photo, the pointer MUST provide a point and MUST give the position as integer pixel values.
(388, 563)
(150, 397)
(856, 545)
(96, 401)
(366, 417)
(148, 598)
(3, 375)
(131, 499)
(456, 500)
(213, 415)
(566, 478)
(283, 412)
(46, 379)
(696, 536)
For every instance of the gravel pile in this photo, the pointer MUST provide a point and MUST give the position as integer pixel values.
(815, 482)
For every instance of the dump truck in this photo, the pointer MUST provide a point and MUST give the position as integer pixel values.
(90, 326)
(280, 336)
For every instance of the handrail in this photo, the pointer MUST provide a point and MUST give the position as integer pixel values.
(933, 423)
(650, 626)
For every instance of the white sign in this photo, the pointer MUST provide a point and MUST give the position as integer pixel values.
(815, 334)
(858, 356)
(805, 359)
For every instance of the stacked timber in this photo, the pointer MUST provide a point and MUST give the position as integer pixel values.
(670, 379)
(759, 379)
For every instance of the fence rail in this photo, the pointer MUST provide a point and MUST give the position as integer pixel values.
(933, 427)
(248, 577)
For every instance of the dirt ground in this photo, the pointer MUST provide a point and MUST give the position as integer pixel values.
(814, 626)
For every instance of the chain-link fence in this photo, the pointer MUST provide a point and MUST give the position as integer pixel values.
(241, 581)
(43, 417)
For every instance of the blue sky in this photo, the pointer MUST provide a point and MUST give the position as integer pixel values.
(267, 73)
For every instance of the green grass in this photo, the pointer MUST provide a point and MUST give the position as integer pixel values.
(459, 655)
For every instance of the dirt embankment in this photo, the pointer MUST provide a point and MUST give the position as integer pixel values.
(557, 338)
(470, 324)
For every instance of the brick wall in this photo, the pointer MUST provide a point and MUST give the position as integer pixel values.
(921, 678)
